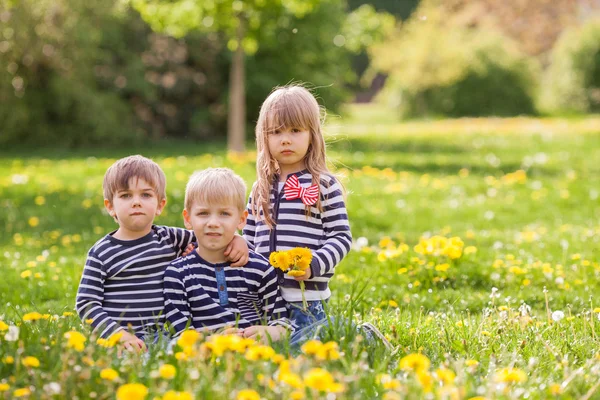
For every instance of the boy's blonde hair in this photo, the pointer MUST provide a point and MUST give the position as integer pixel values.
(119, 174)
(216, 186)
(291, 106)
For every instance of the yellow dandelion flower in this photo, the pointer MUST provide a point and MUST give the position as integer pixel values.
(167, 371)
(4, 387)
(8, 360)
(510, 375)
(173, 395)
(555, 389)
(3, 326)
(393, 304)
(311, 347)
(259, 352)
(282, 260)
(415, 362)
(76, 340)
(26, 274)
(32, 316)
(291, 379)
(132, 391)
(89, 321)
(321, 380)
(68, 314)
(296, 273)
(297, 395)
(23, 392)
(33, 222)
(471, 363)
(470, 250)
(30, 361)
(40, 200)
(446, 376)
(188, 338)
(109, 374)
(426, 380)
(247, 394)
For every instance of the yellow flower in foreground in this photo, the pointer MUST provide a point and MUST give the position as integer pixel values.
(321, 380)
(4, 387)
(555, 389)
(415, 362)
(471, 363)
(510, 375)
(76, 340)
(167, 371)
(173, 395)
(109, 374)
(8, 360)
(188, 338)
(32, 316)
(33, 222)
(3, 326)
(30, 362)
(445, 375)
(259, 352)
(22, 392)
(247, 394)
(132, 391)
(296, 395)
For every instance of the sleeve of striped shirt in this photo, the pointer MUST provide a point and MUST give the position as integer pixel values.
(180, 238)
(336, 229)
(90, 296)
(273, 305)
(249, 230)
(177, 311)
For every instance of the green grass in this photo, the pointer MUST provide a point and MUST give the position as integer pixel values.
(533, 235)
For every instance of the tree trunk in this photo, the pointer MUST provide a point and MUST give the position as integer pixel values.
(236, 119)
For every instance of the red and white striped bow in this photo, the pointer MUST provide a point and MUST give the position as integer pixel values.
(293, 190)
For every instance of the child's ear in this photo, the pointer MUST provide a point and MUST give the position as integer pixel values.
(186, 219)
(109, 207)
(161, 206)
(243, 218)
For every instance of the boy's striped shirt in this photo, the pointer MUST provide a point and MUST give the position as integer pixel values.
(201, 295)
(326, 233)
(122, 282)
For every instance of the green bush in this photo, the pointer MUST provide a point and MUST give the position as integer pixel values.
(436, 67)
(573, 78)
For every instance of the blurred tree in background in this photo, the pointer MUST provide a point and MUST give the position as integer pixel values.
(572, 82)
(437, 66)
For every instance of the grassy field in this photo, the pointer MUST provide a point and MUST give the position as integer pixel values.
(477, 251)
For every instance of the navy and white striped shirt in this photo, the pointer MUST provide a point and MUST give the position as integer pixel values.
(326, 233)
(122, 281)
(202, 295)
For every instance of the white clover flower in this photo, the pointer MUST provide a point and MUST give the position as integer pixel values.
(12, 335)
(557, 315)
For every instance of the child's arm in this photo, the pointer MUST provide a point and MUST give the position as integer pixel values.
(177, 312)
(90, 296)
(181, 239)
(336, 228)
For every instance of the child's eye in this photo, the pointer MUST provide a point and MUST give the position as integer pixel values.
(225, 213)
(124, 196)
(146, 195)
(295, 130)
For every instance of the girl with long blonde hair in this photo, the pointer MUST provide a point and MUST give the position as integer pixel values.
(296, 201)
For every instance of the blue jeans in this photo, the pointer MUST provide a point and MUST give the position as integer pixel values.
(302, 318)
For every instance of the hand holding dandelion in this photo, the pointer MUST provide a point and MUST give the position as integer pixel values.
(295, 263)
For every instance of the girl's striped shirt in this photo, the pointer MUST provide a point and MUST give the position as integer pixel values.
(326, 233)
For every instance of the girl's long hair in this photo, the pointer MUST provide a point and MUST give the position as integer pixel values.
(290, 106)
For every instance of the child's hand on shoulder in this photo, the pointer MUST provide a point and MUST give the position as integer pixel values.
(305, 277)
(188, 250)
(237, 252)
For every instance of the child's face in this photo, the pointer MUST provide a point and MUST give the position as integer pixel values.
(134, 208)
(214, 227)
(289, 146)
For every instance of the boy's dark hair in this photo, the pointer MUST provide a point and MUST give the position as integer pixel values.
(119, 174)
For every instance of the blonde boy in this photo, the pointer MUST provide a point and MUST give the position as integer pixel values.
(121, 288)
(202, 290)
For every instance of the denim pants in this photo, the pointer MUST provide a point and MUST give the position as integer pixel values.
(301, 318)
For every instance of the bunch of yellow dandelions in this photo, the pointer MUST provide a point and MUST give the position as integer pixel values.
(293, 262)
